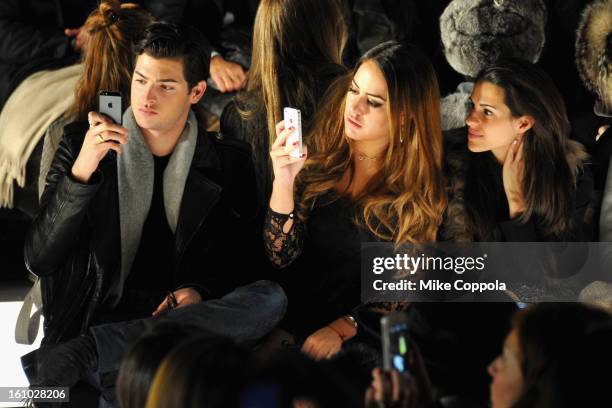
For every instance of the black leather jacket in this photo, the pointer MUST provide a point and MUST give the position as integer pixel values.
(74, 242)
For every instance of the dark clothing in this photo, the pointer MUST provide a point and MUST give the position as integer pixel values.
(457, 340)
(245, 315)
(232, 41)
(375, 21)
(151, 276)
(74, 242)
(254, 132)
(586, 128)
(155, 257)
(32, 37)
(559, 59)
(205, 15)
(467, 190)
(258, 307)
(328, 267)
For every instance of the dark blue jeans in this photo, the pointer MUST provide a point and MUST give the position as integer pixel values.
(245, 315)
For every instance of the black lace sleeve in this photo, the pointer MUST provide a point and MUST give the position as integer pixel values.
(282, 248)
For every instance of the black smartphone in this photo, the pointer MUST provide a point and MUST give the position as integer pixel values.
(395, 342)
(109, 104)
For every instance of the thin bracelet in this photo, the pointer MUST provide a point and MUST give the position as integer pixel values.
(352, 320)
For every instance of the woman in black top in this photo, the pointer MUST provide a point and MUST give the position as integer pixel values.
(520, 178)
(376, 176)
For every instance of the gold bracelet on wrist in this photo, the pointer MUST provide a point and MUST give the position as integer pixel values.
(352, 320)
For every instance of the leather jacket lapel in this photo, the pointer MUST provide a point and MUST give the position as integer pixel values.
(201, 192)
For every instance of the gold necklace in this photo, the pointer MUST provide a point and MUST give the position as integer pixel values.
(362, 157)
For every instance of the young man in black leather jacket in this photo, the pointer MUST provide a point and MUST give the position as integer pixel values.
(150, 215)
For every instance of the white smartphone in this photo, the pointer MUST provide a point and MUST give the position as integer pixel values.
(109, 103)
(293, 117)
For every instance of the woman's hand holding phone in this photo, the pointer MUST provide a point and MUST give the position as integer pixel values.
(103, 135)
(286, 167)
(410, 389)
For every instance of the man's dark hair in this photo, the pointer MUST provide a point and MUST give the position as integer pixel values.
(169, 40)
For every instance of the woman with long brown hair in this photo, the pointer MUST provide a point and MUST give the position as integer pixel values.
(293, 63)
(376, 176)
(514, 173)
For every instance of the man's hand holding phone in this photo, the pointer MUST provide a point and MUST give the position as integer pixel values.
(103, 135)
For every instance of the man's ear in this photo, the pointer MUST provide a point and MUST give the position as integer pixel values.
(524, 123)
(197, 92)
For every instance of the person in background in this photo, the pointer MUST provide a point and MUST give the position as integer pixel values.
(293, 64)
(32, 122)
(552, 357)
(202, 371)
(140, 364)
(208, 17)
(514, 174)
(111, 31)
(37, 35)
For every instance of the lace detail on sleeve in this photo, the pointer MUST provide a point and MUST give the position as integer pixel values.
(282, 248)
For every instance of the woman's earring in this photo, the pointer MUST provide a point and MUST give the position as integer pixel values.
(401, 139)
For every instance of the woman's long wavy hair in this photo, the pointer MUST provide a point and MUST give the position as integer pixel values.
(295, 44)
(405, 202)
(552, 160)
(111, 29)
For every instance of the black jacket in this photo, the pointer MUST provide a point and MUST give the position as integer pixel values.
(74, 242)
(32, 37)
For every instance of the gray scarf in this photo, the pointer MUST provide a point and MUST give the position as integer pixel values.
(135, 174)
